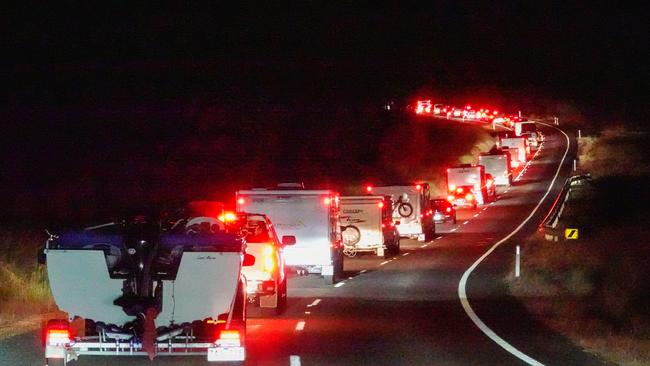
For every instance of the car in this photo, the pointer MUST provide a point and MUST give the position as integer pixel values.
(423, 107)
(443, 211)
(266, 280)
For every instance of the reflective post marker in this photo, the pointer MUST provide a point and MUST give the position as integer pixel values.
(517, 263)
(575, 165)
(579, 134)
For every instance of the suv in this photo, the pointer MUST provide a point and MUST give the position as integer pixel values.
(267, 278)
(443, 211)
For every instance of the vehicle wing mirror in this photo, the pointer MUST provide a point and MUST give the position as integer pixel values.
(249, 260)
(288, 240)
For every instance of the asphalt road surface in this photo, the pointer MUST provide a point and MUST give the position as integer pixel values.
(406, 310)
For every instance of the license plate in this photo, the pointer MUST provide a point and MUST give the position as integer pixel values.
(226, 354)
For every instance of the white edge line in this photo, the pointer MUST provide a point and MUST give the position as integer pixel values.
(363, 271)
(340, 284)
(438, 238)
(384, 262)
(405, 254)
(462, 293)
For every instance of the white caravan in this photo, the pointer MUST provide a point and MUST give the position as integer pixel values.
(498, 165)
(411, 207)
(367, 226)
(311, 216)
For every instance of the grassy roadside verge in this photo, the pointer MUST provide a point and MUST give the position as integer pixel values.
(24, 291)
(595, 290)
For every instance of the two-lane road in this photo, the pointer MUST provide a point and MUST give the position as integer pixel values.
(406, 310)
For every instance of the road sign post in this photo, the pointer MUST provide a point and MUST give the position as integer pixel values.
(517, 262)
(571, 234)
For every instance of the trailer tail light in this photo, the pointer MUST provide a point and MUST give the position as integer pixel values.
(229, 337)
(57, 336)
(269, 259)
(241, 200)
(469, 197)
(327, 200)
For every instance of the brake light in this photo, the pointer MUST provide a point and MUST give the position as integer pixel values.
(369, 189)
(380, 204)
(230, 337)
(57, 336)
(460, 190)
(241, 200)
(450, 198)
(269, 259)
(452, 187)
(448, 209)
(327, 200)
(469, 197)
(418, 187)
(227, 217)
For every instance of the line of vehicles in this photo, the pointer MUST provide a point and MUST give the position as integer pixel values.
(183, 282)
(426, 107)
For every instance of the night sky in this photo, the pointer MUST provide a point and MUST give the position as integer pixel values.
(87, 85)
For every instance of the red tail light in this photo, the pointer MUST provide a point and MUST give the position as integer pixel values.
(269, 259)
(450, 198)
(460, 190)
(327, 200)
(241, 200)
(469, 197)
(380, 204)
(368, 189)
(58, 334)
(448, 209)
(418, 187)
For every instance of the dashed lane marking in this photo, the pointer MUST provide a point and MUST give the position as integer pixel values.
(294, 360)
(314, 303)
(438, 238)
(465, 223)
(476, 215)
(405, 254)
(384, 262)
(363, 271)
(300, 326)
(340, 284)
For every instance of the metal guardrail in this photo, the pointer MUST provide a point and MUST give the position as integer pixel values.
(550, 222)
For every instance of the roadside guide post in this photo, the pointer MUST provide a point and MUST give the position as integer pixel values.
(575, 165)
(517, 262)
(579, 134)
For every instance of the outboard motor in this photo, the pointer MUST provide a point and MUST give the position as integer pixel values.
(141, 240)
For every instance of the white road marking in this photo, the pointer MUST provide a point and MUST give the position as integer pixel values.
(462, 291)
(314, 303)
(438, 238)
(349, 278)
(465, 223)
(362, 271)
(405, 254)
(484, 208)
(384, 262)
(476, 215)
(300, 326)
(454, 229)
(294, 360)
(340, 284)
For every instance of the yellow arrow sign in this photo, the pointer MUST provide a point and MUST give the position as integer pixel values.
(571, 233)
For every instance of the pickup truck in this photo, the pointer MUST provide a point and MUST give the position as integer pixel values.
(147, 287)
